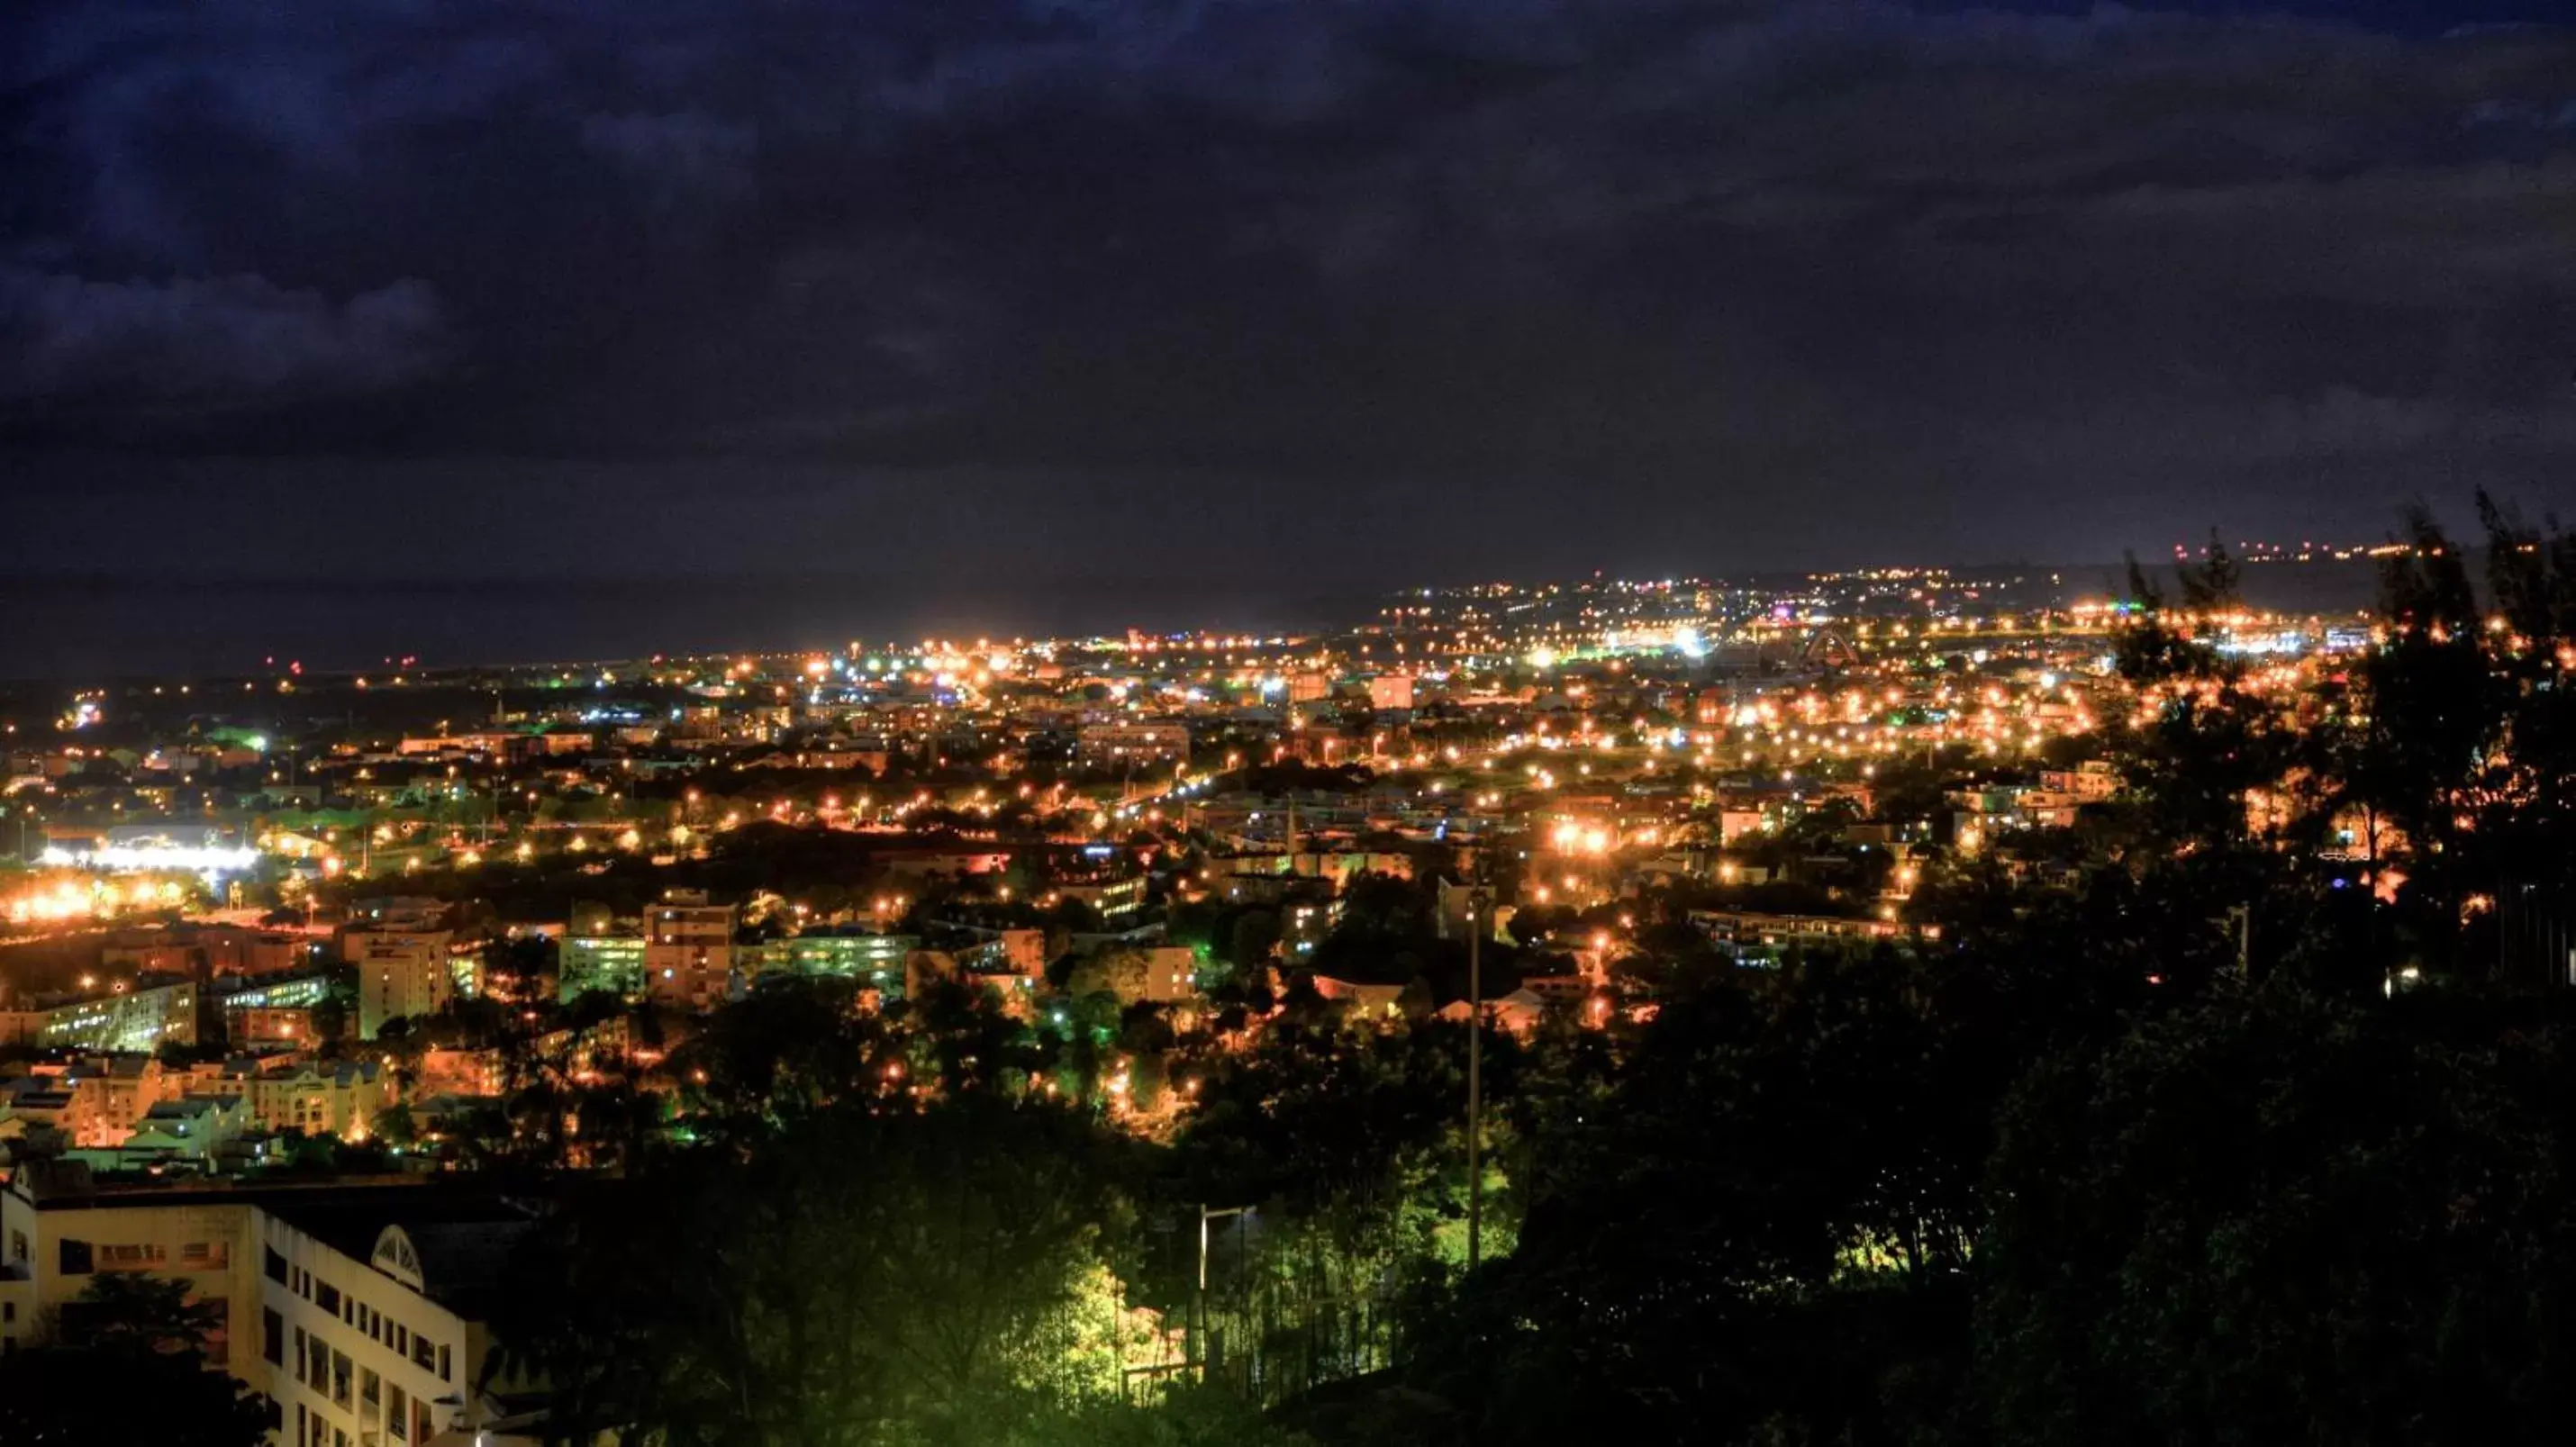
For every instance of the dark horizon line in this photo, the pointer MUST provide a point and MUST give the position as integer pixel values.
(39, 578)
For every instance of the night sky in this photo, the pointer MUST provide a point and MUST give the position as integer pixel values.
(884, 312)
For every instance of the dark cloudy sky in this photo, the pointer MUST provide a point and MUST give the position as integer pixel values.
(1145, 299)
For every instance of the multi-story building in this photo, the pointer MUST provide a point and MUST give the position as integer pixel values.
(130, 1020)
(291, 1027)
(1305, 923)
(2063, 794)
(1110, 746)
(335, 1099)
(2092, 781)
(278, 1010)
(275, 992)
(611, 962)
(1171, 974)
(494, 744)
(358, 1311)
(1391, 693)
(1014, 953)
(108, 1095)
(872, 959)
(57, 1232)
(1747, 932)
(374, 1311)
(401, 974)
(688, 950)
(1109, 896)
(199, 949)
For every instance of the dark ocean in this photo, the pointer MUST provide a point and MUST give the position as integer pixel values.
(93, 627)
(96, 627)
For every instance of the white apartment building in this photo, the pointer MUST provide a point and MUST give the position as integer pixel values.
(373, 1316)
(357, 1310)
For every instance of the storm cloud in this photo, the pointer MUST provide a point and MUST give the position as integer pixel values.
(219, 343)
(1760, 283)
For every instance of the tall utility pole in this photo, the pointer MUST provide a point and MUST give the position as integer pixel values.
(1476, 902)
(1206, 1214)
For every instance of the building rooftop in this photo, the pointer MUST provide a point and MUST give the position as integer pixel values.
(458, 1239)
(455, 1248)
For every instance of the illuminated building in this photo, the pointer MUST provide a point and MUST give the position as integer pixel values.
(288, 1026)
(1734, 823)
(490, 744)
(300, 991)
(1336, 867)
(1019, 952)
(1759, 934)
(1109, 746)
(610, 962)
(379, 1307)
(873, 959)
(1107, 898)
(136, 1021)
(2091, 782)
(103, 1097)
(401, 974)
(317, 1099)
(1304, 925)
(1391, 693)
(688, 950)
(1171, 974)
(273, 1011)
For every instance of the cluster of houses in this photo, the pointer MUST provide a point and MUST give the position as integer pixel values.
(136, 1112)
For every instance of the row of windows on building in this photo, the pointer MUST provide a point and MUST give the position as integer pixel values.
(351, 1388)
(73, 1257)
(378, 1328)
(80, 1257)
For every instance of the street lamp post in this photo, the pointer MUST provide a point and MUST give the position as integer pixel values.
(1476, 905)
(1207, 1214)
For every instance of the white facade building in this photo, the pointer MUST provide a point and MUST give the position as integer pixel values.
(358, 1311)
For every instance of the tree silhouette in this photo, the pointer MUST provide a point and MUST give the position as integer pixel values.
(126, 1368)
